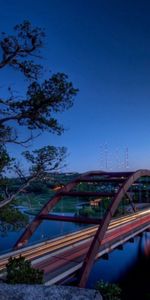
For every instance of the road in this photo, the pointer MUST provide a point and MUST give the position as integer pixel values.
(67, 252)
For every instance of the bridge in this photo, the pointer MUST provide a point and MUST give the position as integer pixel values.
(124, 212)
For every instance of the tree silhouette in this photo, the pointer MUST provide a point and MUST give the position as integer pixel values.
(35, 110)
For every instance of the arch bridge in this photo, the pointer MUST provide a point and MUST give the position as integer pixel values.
(111, 190)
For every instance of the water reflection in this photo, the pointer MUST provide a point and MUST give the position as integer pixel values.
(130, 268)
(146, 248)
(136, 281)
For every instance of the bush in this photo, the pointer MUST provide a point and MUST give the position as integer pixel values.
(109, 291)
(86, 212)
(147, 296)
(20, 271)
(37, 187)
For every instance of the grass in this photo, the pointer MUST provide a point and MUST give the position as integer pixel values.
(34, 203)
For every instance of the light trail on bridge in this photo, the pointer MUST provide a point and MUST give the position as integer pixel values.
(58, 245)
(57, 267)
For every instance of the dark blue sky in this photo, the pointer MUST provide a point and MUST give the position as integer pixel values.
(104, 47)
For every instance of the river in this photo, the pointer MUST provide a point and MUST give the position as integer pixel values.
(130, 267)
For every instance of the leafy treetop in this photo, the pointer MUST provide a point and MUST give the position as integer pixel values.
(36, 110)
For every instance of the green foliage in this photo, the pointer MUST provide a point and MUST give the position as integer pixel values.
(4, 158)
(35, 110)
(26, 40)
(12, 215)
(109, 291)
(11, 219)
(147, 296)
(37, 188)
(66, 205)
(82, 186)
(45, 160)
(20, 271)
(87, 212)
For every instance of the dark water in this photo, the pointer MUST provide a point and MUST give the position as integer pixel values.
(47, 230)
(129, 267)
(136, 281)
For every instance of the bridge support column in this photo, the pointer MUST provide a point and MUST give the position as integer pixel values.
(131, 240)
(105, 256)
(120, 247)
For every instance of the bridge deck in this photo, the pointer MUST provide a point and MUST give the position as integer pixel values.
(59, 265)
(63, 256)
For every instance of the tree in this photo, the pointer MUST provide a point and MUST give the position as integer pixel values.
(36, 110)
(20, 270)
(110, 291)
(11, 219)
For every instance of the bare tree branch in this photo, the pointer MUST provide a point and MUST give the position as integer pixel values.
(35, 110)
(11, 197)
(23, 143)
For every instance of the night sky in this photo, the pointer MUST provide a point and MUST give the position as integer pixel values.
(104, 47)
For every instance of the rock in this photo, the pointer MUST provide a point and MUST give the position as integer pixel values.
(41, 292)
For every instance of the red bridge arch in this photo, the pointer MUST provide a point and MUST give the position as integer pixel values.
(125, 181)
